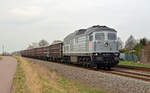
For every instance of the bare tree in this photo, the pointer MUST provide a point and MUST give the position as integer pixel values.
(130, 43)
(33, 45)
(144, 41)
(30, 47)
(120, 43)
(56, 41)
(43, 43)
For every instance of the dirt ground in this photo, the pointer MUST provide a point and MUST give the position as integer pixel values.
(8, 67)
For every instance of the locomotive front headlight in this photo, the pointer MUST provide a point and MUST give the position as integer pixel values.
(106, 44)
(116, 54)
(104, 54)
(96, 54)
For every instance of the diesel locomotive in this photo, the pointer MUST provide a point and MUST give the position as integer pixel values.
(95, 46)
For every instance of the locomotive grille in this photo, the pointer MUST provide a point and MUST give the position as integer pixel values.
(105, 46)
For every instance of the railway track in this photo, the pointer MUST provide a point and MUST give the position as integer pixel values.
(125, 73)
(119, 71)
(140, 73)
(135, 75)
(134, 68)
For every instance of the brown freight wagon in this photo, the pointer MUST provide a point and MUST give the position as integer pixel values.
(27, 53)
(32, 53)
(55, 52)
(23, 53)
(43, 52)
(38, 52)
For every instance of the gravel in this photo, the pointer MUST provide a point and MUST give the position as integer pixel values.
(100, 80)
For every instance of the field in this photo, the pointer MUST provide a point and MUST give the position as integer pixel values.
(34, 78)
(127, 63)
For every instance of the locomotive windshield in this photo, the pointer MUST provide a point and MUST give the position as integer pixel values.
(99, 36)
(111, 36)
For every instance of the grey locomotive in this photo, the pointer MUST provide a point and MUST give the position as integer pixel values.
(97, 46)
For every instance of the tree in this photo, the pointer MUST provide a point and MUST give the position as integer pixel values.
(33, 45)
(130, 43)
(56, 41)
(120, 43)
(30, 47)
(124, 51)
(143, 41)
(139, 46)
(43, 43)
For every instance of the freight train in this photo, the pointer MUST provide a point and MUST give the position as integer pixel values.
(96, 46)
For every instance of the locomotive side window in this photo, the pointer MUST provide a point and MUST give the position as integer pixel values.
(99, 36)
(111, 36)
(91, 38)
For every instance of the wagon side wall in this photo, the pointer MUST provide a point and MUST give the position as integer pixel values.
(56, 50)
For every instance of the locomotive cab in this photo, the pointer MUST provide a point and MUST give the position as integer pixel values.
(104, 48)
(94, 46)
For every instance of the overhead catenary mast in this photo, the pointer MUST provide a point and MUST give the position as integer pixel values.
(3, 50)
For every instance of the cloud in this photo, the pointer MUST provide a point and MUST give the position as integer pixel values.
(26, 11)
(55, 19)
(22, 15)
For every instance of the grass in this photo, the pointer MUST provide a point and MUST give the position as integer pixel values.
(127, 63)
(65, 83)
(19, 80)
(0, 58)
(34, 78)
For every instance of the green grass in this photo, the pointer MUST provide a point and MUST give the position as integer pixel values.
(49, 89)
(66, 84)
(62, 85)
(127, 63)
(53, 70)
(19, 85)
(81, 88)
(0, 58)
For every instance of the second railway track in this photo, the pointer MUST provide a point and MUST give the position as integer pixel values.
(134, 68)
(135, 75)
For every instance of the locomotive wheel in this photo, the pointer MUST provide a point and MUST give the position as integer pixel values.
(97, 66)
(104, 68)
(109, 68)
(88, 65)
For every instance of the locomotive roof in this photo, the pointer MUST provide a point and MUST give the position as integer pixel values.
(88, 31)
(94, 28)
(99, 28)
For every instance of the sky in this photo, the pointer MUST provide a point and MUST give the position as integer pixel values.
(25, 21)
